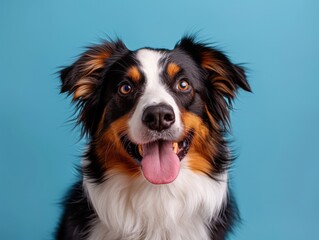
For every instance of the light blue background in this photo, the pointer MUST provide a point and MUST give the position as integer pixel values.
(275, 130)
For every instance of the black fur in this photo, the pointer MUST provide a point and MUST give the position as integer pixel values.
(188, 54)
(77, 216)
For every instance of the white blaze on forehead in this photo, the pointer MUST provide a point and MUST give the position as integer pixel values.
(155, 92)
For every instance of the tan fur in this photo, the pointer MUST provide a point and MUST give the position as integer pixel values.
(172, 70)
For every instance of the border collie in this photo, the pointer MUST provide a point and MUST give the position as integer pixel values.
(156, 163)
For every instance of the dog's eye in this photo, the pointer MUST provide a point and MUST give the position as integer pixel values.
(125, 89)
(183, 85)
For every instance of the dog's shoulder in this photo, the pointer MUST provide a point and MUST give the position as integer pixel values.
(78, 214)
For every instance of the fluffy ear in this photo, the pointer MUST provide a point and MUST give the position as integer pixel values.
(223, 77)
(83, 78)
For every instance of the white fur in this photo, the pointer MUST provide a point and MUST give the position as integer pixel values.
(155, 92)
(132, 208)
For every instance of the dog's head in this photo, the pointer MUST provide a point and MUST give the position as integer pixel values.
(151, 109)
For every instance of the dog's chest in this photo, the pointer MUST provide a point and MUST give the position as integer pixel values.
(135, 209)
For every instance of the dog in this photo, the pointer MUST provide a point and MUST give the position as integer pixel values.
(156, 164)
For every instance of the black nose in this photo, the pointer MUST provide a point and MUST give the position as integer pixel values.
(158, 117)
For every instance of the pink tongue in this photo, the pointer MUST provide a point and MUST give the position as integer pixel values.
(160, 165)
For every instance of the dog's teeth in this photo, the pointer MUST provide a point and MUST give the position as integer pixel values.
(140, 150)
(175, 147)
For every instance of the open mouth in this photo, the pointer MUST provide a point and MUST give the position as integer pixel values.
(179, 148)
(159, 159)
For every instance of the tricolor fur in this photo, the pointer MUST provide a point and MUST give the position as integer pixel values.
(156, 163)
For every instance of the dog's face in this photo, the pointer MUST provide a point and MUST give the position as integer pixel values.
(153, 110)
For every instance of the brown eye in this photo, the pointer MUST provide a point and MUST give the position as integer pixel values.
(183, 86)
(125, 89)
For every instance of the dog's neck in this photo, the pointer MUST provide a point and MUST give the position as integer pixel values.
(132, 208)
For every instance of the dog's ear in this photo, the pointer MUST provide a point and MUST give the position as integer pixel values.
(83, 78)
(223, 78)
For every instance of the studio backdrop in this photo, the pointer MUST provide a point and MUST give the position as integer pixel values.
(274, 129)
